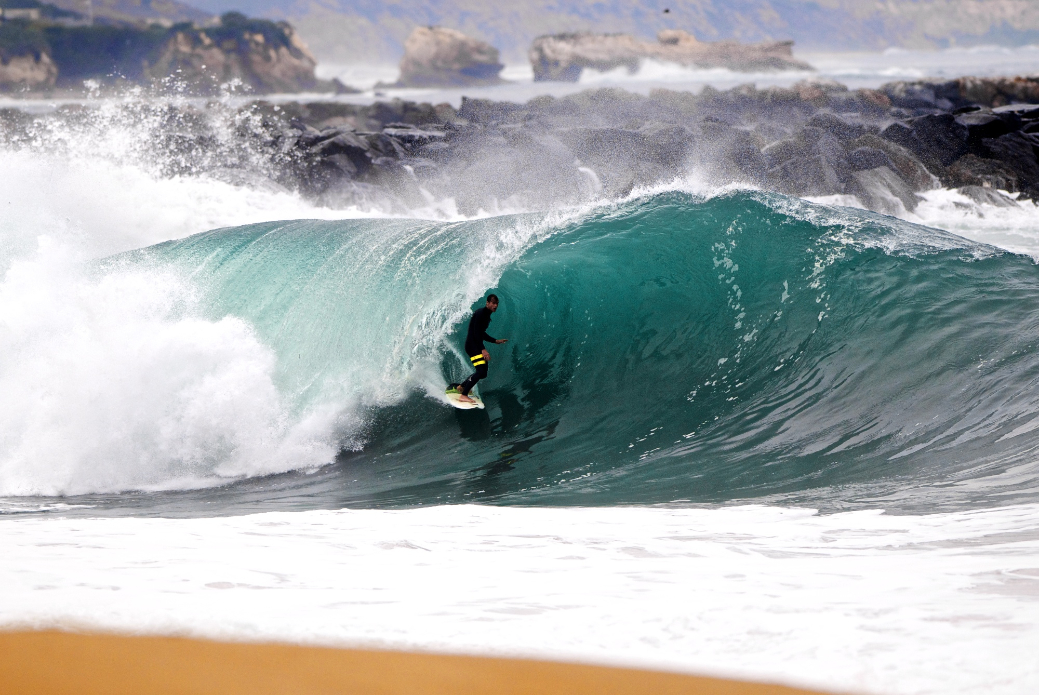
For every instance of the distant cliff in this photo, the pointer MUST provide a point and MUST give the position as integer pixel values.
(563, 56)
(260, 55)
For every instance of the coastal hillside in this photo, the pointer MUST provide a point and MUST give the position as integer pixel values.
(352, 30)
(43, 47)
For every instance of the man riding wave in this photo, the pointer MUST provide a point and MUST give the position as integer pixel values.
(474, 340)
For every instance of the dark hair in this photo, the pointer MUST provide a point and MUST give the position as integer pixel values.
(492, 298)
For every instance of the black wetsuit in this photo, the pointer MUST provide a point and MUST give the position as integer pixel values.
(474, 347)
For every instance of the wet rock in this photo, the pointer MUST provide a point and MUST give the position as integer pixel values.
(987, 196)
(1020, 152)
(813, 163)
(925, 95)
(864, 158)
(487, 111)
(728, 152)
(906, 165)
(837, 126)
(883, 190)
(985, 124)
(971, 170)
(411, 137)
(999, 91)
(937, 140)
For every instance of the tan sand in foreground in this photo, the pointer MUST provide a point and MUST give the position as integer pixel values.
(35, 663)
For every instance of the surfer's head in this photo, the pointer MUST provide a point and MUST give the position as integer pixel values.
(492, 302)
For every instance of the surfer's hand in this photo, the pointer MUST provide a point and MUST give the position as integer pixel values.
(486, 355)
(499, 342)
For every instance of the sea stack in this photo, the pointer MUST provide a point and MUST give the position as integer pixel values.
(561, 57)
(440, 57)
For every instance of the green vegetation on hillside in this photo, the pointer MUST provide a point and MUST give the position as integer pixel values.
(18, 38)
(87, 52)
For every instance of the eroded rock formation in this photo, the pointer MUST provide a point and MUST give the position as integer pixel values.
(440, 57)
(260, 55)
(29, 70)
(562, 57)
(266, 61)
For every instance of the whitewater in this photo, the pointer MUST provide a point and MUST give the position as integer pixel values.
(733, 432)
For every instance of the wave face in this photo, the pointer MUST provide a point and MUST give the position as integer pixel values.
(668, 349)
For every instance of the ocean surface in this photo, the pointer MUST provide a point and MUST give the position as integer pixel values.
(732, 432)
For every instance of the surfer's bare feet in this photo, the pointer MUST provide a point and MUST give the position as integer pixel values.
(465, 399)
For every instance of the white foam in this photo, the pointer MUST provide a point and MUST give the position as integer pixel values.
(112, 382)
(1014, 228)
(854, 602)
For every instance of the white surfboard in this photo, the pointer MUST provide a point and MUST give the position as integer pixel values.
(452, 398)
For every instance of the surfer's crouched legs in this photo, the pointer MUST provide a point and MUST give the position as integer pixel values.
(481, 373)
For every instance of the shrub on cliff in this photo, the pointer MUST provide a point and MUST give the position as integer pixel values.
(20, 38)
(101, 51)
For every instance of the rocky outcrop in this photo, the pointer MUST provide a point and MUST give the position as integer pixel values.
(29, 70)
(440, 57)
(264, 56)
(255, 54)
(562, 57)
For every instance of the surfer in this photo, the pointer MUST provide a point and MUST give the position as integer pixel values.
(474, 348)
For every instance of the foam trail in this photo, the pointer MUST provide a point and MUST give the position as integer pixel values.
(855, 602)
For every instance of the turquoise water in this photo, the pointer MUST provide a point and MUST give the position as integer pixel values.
(670, 349)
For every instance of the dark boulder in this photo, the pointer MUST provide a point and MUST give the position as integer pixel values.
(936, 96)
(812, 163)
(938, 140)
(971, 170)
(864, 158)
(987, 196)
(782, 151)
(837, 126)
(1028, 112)
(667, 144)
(487, 111)
(411, 137)
(981, 125)
(1020, 152)
(912, 171)
(813, 175)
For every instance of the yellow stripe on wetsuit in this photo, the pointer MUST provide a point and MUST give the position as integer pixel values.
(477, 360)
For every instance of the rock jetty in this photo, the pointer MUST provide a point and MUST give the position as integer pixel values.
(883, 146)
(562, 57)
(440, 57)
